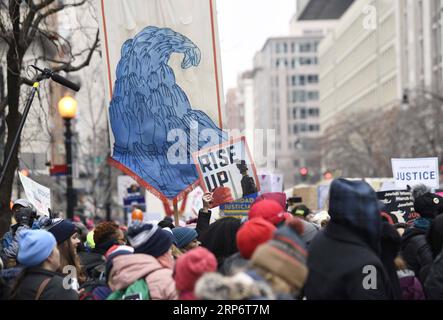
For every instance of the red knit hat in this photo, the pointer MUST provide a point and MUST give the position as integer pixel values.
(190, 266)
(279, 197)
(253, 233)
(269, 210)
(220, 196)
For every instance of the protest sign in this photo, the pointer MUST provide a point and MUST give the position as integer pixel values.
(309, 196)
(239, 208)
(410, 172)
(398, 204)
(131, 196)
(228, 167)
(163, 79)
(323, 196)
(270, 182)
(38, 195)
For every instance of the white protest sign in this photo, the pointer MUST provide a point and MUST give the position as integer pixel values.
(415, 171)
(270, 182)
(228, 168)
(38, 195)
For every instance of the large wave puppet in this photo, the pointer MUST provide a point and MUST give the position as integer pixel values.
(147, 103)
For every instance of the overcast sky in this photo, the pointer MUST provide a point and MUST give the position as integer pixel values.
(244, 26)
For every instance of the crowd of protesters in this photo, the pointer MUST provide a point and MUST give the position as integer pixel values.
(281, 251)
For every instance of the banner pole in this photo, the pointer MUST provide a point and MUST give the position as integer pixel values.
(175, 213)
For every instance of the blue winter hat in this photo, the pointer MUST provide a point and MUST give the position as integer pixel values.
(150, 239)
(35, 246)
(183, 236)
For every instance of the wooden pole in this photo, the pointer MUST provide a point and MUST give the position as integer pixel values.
(175, 213)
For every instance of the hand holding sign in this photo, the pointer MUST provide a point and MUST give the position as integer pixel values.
(227, 170)
(207, 201)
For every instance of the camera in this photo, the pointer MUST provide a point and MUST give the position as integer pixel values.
(25, 216)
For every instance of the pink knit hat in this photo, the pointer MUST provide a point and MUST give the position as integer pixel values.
(190, 266)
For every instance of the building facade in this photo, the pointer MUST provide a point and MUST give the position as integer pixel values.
(286, 88)
(286, 98)
(379, 51)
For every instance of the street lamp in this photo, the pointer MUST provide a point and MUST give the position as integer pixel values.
(67, 107)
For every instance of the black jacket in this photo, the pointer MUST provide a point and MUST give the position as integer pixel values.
(434, 282)
(343, 260)
(416, 251)
(336, 262)
(203, 220)
(28, 287)
(93, 263)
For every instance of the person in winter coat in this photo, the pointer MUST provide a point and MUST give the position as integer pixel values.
(25, 215)
(106, 234)
(65, 234)
(410, 287)
(204, 215)
(415, 248)
(250, 235)
(220, 238)
(185, 238)
(189, 268)
(269, 207)
(281, 261)
(40, 280)
(343, 259)
(434, 282)
(241, 286)
(151, 261)
(390, 248)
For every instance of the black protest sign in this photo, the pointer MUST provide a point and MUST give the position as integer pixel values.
(399, 204)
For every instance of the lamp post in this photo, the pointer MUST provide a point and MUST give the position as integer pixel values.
(67, 107)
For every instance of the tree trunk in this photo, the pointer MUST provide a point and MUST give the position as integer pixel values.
(14, 62)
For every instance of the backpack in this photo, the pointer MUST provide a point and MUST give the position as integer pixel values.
(95, 287)
(136, 291)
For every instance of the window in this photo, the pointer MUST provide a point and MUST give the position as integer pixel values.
(313, 95)
(285, 47)
(277, 48)
(295, 129)
(301, 80)
(292, 47)
(294, 113)
(307, 61)
(303, 113)
(314, 127)
(303, 127)
(312, 78)
(314, 112)
(294, 80)
(305, 47)
(298, 96)
(293, 63)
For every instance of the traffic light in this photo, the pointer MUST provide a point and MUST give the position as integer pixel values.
(304, 173)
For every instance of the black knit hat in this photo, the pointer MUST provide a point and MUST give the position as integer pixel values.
(150, 239)
(429, 205)
(61, 229)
